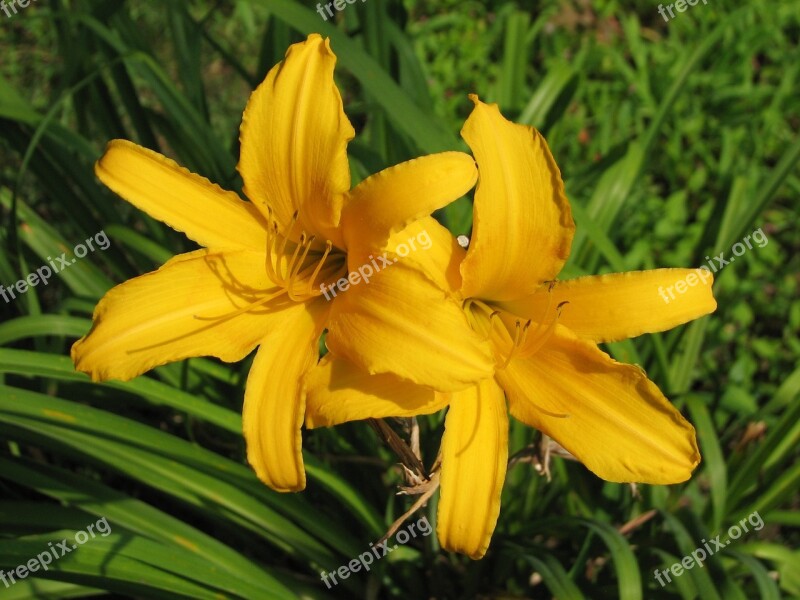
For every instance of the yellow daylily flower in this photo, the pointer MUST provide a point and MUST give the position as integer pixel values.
(544, 337)
(258, 281)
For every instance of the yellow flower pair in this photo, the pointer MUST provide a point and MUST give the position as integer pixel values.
(448, 327)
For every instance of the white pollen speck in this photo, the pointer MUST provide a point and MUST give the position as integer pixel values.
(463, 241)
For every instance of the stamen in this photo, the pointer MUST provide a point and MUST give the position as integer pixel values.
(280, 278)
(271, 237)
(546, 309)
(525, 332)
(522, 346)
(523, 343)
(518, 349)
(295, 216)
(280, 253)
(476, 323)
(296, 267)
(290, 266)
(542, 339)
(514, 345)
(283, 272)
(313, 278)
(494, 315)
(291, 272)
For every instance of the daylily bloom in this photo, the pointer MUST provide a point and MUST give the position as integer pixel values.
(543, 335)
(258, 280)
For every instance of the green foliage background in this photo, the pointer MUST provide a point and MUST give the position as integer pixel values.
(675, 140)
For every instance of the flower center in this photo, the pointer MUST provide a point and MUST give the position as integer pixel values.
(294, 267)
(297, 267)
(510, 336)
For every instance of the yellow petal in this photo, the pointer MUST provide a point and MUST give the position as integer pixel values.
(523, 225)
(151, 320)
(274, 401)
(424, 245)
(206, 213)
(339, 392)
(294, 139)
(388, 201)
(618, 422)
(400, 322)
(474, 455)
(607, 308)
